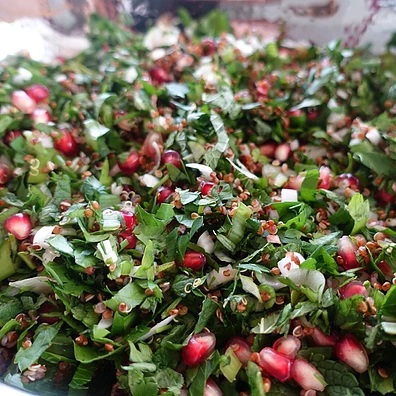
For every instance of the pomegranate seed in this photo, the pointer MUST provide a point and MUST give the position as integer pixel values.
(45, 308)
(194, 260)
(347, 250)
(384, 198)
(66, 144)
(198, 348)
(171, 157)
(282, 152)
(262, 88)
(4, 174)
(163, 194)
(288, 346)
(347, 180)
(351, 352)
(38, 92)
(19, 225)
(353, 288)
(275, 364)
(40, 116)
(130, 238)
(208, 46)
(130, 220)
(159, 75)
(131, 164)
(212, 389)
(321, 339)
(312, 114)
(241, 349)
(206, 188)
(324, 177)
(23, 102)
(152, 145)
(10, 136)
(307, 375)
(385, 268)
(268, 149)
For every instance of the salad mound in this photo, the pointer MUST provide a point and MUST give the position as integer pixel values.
(189, 213)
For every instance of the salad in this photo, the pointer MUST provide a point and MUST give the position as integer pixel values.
(189, 213)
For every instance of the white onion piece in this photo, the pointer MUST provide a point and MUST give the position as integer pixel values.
(148, 180)
(38, 284)
(42, 235)
(206, 242)
(154, 329)
(289, 262)
(223, 275)
(105, 323)
(289, 195)
(374, 136)
(314, 279)
(204, 169)
(242, 168)
(266, 279)
(271, 170)
(280, 180)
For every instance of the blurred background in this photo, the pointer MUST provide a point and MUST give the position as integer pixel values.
(47, 29)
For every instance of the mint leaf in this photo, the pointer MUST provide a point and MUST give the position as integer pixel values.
(359, 209)
(82, 376)
(42, 340)
(131, 294)
(208, 310)
(255, 379)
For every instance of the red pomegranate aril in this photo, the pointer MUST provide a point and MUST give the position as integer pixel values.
(10, 136)
(130, 220)
(212, 389)
(385, 268)
(347, 180)
(322, 339)
(66, 144)
(347, 251)
(241, 349)
(19, 225)
(324, 177)
(384, 198)
(353, 288)
(307, 375)
(350, 351)
(38, 92)
(206, 187)
(312, 114)
(268, 149)
(198, 348)
(164, 194)
(282, 152)
(40, 116)
(194, 260)
(159, 75)
(171, 157)
(208, 46)
(288, 345)
(130, 238)
(5, 173)
(23, 102)
(131, 164)
(152, 145)
(47, 308)
(275, 364)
